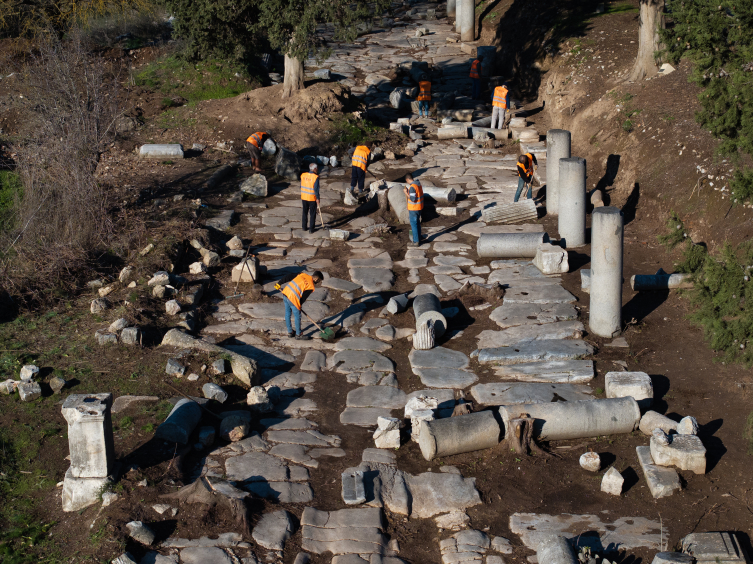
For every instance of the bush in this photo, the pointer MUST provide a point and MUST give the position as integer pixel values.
(10, 194)
(741, 186)
(675, 232)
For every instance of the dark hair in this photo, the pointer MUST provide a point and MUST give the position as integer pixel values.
(407, 176)
(523, 159)
(317, 274)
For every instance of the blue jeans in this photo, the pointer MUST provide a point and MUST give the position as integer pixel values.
(290, 308)
(415, 224)
(476, 88)
(423, 107)
(521, 185)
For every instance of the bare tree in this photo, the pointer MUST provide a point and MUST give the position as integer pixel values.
(651, 20)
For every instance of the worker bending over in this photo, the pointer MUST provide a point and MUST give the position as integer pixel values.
(309, 197)
(414, 192)
(500, 103)
(254, 144)
(358, 172)
(294, 294)
(526, 168)
(476, 78)
(424, 95)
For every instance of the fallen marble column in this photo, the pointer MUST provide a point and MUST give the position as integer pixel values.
(444, 195)
(572, 202)
(161, 151)
(180, 423)
(642, 282)
(456, 435)
(556, 550)
(605, 311)
(509, 245)
(494, 133)
(399, 203)
(558, 421)
(426, 307)
(453, 132)
(557, 147)
(514, 212)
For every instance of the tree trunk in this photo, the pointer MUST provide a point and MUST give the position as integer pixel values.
(651, 19)
(293, 77)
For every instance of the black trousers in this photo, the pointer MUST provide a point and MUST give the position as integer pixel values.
(357, 176)
(309, 209)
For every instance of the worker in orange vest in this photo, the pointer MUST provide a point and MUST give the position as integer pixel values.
(424, 95)
(309, 197)
(476, 78)
(254, 144)
(414, 192)
(294, 293)
(526, 168)
(358, 172)
(500, 103)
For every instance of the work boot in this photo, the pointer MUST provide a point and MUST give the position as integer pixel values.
(412, 244)
(302, 338)
(290, 333)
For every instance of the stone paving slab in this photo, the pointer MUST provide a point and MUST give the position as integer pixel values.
(548, 294)
(307, 438)
(555, 372)
(435, 493)
(438, 357)
(283, 492)
(373, 279)
(445, 377)
(363, 416)
(340, 284)
(348, 361)
(516, 314)
(536, 351)
(315, 361)
(376, 396)
(361, 344)
(511, 393)
(525, 333)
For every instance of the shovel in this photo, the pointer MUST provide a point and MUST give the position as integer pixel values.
(326, 334)
(324, 225)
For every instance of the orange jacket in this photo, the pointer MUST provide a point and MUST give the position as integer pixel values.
(361, 157)
(476, 69)
(526, 172)
(415, 196)
(256, 139)
(424, 88)
(308, 186)
(294, 289)
(500, 97)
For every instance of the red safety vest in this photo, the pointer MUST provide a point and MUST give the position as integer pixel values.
(294, 289)
(361, 157)
(308, 180)
(500, 97)
(424, 90)
(256, 138)
(476, 69)
(418, 205)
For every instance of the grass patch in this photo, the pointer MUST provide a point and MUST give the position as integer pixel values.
(675, 232)
(204, 80)
(618, 9)
(10, 192)
(347, 130)
(172, 119)
(627, 125)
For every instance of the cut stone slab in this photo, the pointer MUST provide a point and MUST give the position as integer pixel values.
(373, 323)
(380, 261)
(377, 396)
(316, 310)
(445, 377)
(445, 260)
(517, 314)
(510, 393)
(551, 259)
(363, 416)
(309, 437)
(274, 529)
(373, 279)
(124, 402)
(526, 333)
(555, 372)
(204, 555)
(341, 285)
(535, 351)
(348, 361)
(315, 361)
(434, 493)
(353, 490)
(438, 357)
(652, 420)
(256, 467)
(547, 294)
(714, 547)
(662, 482)
(385, 333)
(361, 344)
(672, 558)
(447, 283)
(224, 540)
(625, 533)
(283, 492)
(684, 451)
(630, 384)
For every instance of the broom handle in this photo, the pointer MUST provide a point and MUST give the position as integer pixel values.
(320, 214)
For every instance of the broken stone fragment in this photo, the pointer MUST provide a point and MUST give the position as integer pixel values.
(28, 372)
(29, 391)
(258, 400)
(353, 490)
(684, 451)
(172, 307)
(174, 368)
(140, 532)
(197, 268)
(99, 305)
(235, 244)
(612, 482)
(160, 278)
(235, 425)
(130, 336)
(180, 423)
(214, 392)
(118, 325)
(687, 426)
(652, 420)
(57, 384)
(590, 461)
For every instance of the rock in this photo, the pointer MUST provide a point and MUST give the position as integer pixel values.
(124, 558)
(551, 259)
(353, 489)
(274, 529)
(214, 392)
(258, 400)
(397, 304)
(612, 482)
(398, 99)
(630, 384)
(160, 278)
(28, 372)
(118, 325)
(453, 521)
(438, 357)
(652, 420)
(376, 396)
(130, 336)
(106, 290)
(687, 426)
(124, 402)
(29, 391)
(287, 164)
(104, 338)
(716, 547)
(235, 427)
(206, 436)
(684, 451)
(302, 558)
(197, 268)
(501, 545)
(219, 366)
(99, 305)
(246, 270)
(57, 384)
(255, 185)
(235, 244)
(315, 361)
(672, 558)
(140, 532)
(210, 258)
(8, 387)
(385, 333)
(174, 368)
(180, 423)
(387, 434)
(146, 250)
(172, 307)
(590, 461)
(323, 74)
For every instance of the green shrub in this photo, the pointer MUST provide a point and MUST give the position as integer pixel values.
(675, 232)
(741, 186)
(10, 192)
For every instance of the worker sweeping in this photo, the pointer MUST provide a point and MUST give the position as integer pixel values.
(476, 78)
(358, 171)
(294, 293)
(424, 96)
(254, 144)
(309, 197)
(500, 103)
(526, 169)
(414, 192)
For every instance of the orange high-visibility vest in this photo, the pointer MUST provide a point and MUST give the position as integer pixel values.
(294, 289)
(361, 157)
(424, 92)
(418, 204)
(476, 69)
(308, 180)
(500, 97)
(529, 169)
(256, 138)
